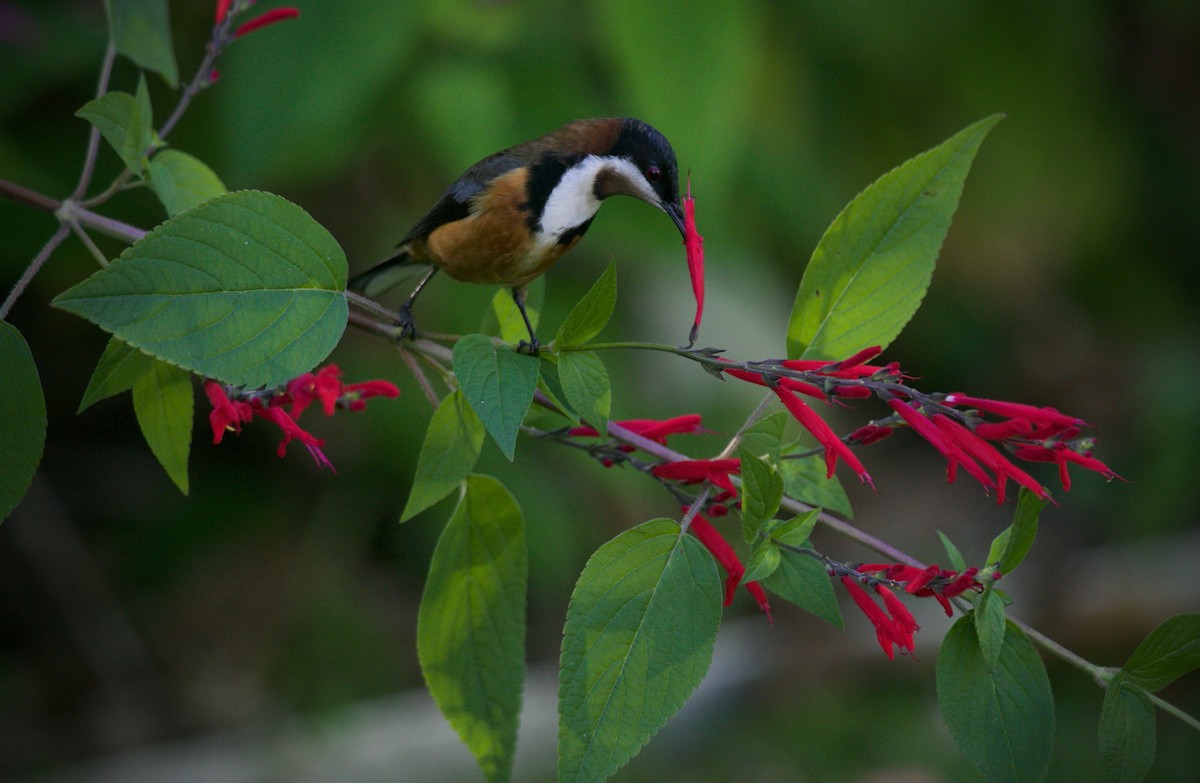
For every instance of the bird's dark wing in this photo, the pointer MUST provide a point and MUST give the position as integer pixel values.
(455, 203)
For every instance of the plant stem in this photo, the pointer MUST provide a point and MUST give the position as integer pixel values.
(30, 271)
(93, 144)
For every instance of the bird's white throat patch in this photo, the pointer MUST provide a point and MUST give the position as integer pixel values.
(573, 200)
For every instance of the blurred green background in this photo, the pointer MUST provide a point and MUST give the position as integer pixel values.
(263, 628)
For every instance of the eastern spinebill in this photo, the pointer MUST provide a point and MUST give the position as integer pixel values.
(509, 217)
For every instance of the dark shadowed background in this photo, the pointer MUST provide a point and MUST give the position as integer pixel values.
(263, 628)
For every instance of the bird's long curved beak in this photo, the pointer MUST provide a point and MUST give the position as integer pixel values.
(676, 214)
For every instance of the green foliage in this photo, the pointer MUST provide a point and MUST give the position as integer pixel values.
(638, 639)
(990, 624)
(586, 387)
(119, 368)
(505, 319)
(451, 448)
(805, 480)
(762, 491)
(126, 123)
(471, 625)
(245, 288)
(952, 553)
(1169, 652)
(870, 271)
(164, 404)
(498, 384)
(1010, 547)
(1127, 732)
(1001, 716)
(592, 312)
(182, 181)
(801, 580)
(141, 30)
(765, 436)
(22, 418)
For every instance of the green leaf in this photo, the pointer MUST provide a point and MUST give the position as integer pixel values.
(22, 418)
(989, 626)
(505, 319)
(182, 181)
(956, 558)
(549, 385)
(796, 530)
(592, 312)
(120, 367)
(764, 559)
(804, 479)
(870, 271)
(1020, 534)
(141, 30)
(164, 404)
(125, 123)
(245, 288)
(762, 491)
(498, 383)
(471, 624)
(1001, 717)
(1127, 732)
(585, 383)
(452, 445)
(1170, 651)
(766, 435)
(801, 580)
(638, 640)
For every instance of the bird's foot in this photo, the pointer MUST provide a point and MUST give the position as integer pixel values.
(408, 325)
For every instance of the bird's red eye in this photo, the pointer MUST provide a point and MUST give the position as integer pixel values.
(654, 173)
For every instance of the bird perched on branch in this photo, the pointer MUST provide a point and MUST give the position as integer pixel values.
(509, 217)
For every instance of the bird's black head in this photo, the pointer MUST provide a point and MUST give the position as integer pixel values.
(651, 154)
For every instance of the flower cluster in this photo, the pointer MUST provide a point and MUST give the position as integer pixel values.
(283, 407)
(894, 624)
(957, 425)
(714, 471)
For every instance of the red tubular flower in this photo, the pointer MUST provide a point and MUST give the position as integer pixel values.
(1013, 428)
(760, 598)
(885, 629)
(1062, 455)
(834, 447)
(787, 383)
(694, 243)
(855, 392)
(355, 395)
(222, 9)
(1048, 417)
(226, 414)
(270, 17)
(866, 354)
(986, 454)
(953, 453)
(715, 543)
(963, 582)
(869, 433)
(918, 583)
(324, 385)
(902, 619)
(693, 471)
(656, 430)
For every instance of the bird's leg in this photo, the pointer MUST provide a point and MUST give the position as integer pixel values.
(408, 326)
(531, 347)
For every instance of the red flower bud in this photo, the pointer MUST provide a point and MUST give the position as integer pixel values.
(270, 17)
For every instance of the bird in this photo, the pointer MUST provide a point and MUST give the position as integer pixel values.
(512, 215)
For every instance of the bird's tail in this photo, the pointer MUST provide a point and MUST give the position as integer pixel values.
(387, 275)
